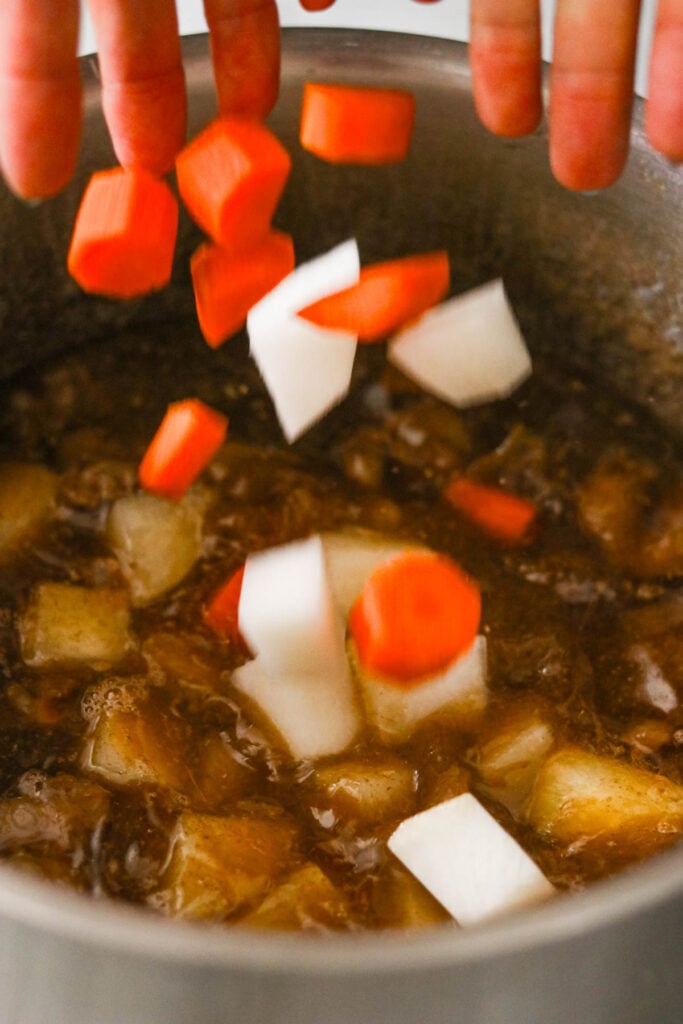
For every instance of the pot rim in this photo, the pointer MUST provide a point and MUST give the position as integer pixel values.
(33, 902)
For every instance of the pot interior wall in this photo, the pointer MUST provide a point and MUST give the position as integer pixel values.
(594, 279)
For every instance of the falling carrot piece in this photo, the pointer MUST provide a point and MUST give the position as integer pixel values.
(227, 285)
(356, 124)
(221, 613)
(316, 5)
(230, 177)
(387, 296)
(124, 235)
(415, 615)
(189, 436)
(504, 515)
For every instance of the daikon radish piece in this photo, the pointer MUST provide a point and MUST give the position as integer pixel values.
(287, 613)
(300, 678)
(351, 557)
(467, 350)
(458, 695)
(306, 369)
(473, 867)
(313, 716)
(582, 797)
(334, 270)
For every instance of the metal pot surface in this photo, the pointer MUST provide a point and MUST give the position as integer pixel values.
(596, 281)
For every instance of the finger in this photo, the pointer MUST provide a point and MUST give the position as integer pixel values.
(505, 58)
(664, 110)
(40, 95)
(143, 87)
(245, 45)
(591, 90)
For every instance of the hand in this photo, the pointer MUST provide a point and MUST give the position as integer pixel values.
(591, 81)
(143, 87)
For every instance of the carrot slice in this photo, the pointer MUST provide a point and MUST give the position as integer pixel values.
(189, 436)
(227, 285)
(504, 515)
(415, 615)
(387, 296)
(221, 613)
(124, 234)
(356, 124)
(230, 177)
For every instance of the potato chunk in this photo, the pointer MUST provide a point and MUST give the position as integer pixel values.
(366, 792)
(511, 751)
(219, 864)
(306, 901)
(581, 797)
(27, 493)
(156, 541)
(68, 623)
(55, 813)
(219, 777)
(132, 742)
(403, 902)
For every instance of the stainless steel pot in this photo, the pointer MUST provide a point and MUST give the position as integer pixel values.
(596, 281)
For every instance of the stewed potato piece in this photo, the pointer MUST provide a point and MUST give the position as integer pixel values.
(64, 622)
(307, 900)
(27, 493)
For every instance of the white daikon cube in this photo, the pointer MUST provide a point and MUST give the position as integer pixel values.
(458, 694)
(64, 622)
(468, 861)
(351, 557)
(314, 716)
(467, 350)
(307, 369)
(287, 613)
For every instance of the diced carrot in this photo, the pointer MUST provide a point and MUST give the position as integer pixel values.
(189, 436)
(230, 177)
(221, 613)
(504, 515)
(227, 285)
(356, 124)
(124, 235)
(387, 296)
(415, 615)
(316, 5)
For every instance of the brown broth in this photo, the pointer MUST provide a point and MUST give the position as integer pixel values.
(561, 614)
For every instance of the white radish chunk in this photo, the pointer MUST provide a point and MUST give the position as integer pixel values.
(300, 678)
(473, 867)
(467, 350)
(351, 557)
(287, 613)
(307, 369)
(458, 695)
(315, 716)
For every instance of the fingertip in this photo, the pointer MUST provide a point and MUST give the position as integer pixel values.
(147, 121)
(507, 94)
(40, 129)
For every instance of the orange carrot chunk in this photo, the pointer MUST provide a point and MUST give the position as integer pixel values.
(415, 615)
(124, 235)
(505, 516)
(387, 296)
(221, 613)
(230, 177)
(355, 124)
(189, 436)
(227, 285)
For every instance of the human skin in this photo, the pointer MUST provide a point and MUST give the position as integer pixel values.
(143, 89)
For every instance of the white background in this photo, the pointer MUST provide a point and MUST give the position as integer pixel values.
(448, 19)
